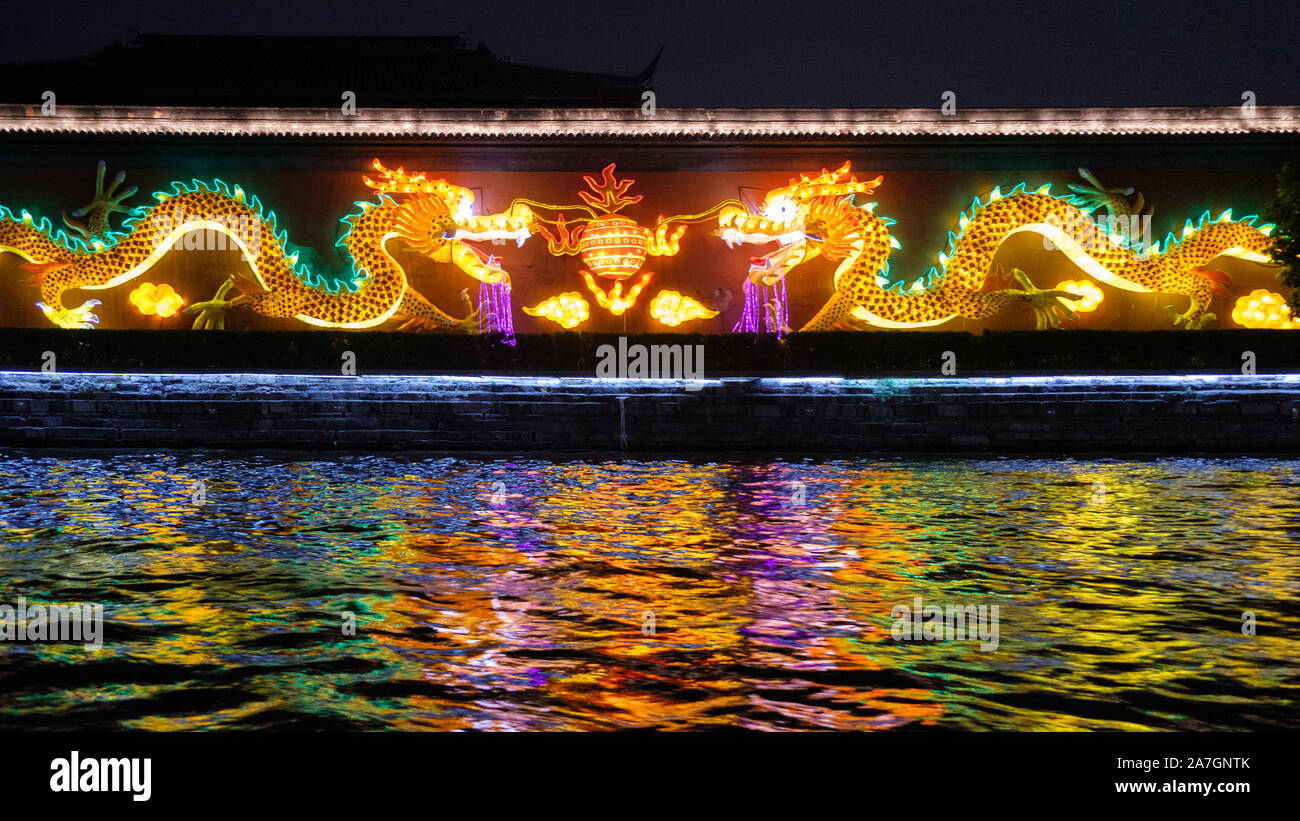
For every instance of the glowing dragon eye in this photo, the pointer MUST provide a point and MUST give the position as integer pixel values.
(464, 209)
(781, 208)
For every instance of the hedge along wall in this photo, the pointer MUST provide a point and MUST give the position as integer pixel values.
(311, 185)
(578, 354)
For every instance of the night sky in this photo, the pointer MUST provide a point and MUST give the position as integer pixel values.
(753, 54)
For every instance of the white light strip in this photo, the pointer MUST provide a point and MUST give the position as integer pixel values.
(164, 245)
(880, 322)
(1065, 243)
(469, 382)
(374, 321)
(667, 123)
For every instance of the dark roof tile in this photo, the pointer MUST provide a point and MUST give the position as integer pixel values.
(384, 72)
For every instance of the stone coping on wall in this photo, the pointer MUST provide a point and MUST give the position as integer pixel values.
(1189, 413)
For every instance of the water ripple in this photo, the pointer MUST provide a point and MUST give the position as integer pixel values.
(607, 594)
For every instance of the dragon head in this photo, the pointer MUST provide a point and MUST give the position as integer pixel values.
(804, 218)
(436, 215)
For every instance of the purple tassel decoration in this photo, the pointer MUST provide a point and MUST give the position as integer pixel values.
(775, 317)
(497, 298)
(782, 308)
(748, 323)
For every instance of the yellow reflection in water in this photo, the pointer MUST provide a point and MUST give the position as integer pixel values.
(672, 595)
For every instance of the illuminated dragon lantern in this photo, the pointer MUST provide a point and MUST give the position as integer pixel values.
(818, 215)
(433, 217)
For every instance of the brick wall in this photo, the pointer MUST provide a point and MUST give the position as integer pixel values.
(1225, 414)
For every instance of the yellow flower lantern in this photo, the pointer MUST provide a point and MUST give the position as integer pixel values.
(150, 299)
(1262, 308)
(1092, 295)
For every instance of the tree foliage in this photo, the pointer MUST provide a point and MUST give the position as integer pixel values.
(1284, 211)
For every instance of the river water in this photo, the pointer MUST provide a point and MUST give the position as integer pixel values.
(385, 592)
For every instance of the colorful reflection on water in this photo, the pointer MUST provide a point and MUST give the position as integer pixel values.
(513, 594)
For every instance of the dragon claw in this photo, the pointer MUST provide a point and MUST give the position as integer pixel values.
(1189, 320)
(73, 318)
(477, 320)
(1050, 307)
(109, 196)
(418, 323)
(212, 313)
(107, 201)
(469, 324)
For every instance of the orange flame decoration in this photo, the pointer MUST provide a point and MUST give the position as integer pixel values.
(610, 192)
(615, 301)
(564, 241)
(612, 246)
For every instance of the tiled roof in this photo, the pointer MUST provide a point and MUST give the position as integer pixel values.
(221, 71)
(628, 122)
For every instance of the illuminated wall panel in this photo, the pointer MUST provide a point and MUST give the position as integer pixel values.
(623, 240)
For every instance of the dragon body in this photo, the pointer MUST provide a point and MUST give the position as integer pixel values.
(811, 216)
(433, 218)
(817, 215)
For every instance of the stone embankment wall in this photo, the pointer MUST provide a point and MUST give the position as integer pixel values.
(1168, 414)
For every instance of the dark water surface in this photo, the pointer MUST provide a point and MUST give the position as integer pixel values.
(522, 605)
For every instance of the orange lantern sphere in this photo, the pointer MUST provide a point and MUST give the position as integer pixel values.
(613, 247)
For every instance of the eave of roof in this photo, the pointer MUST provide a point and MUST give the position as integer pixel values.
(623, 123)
